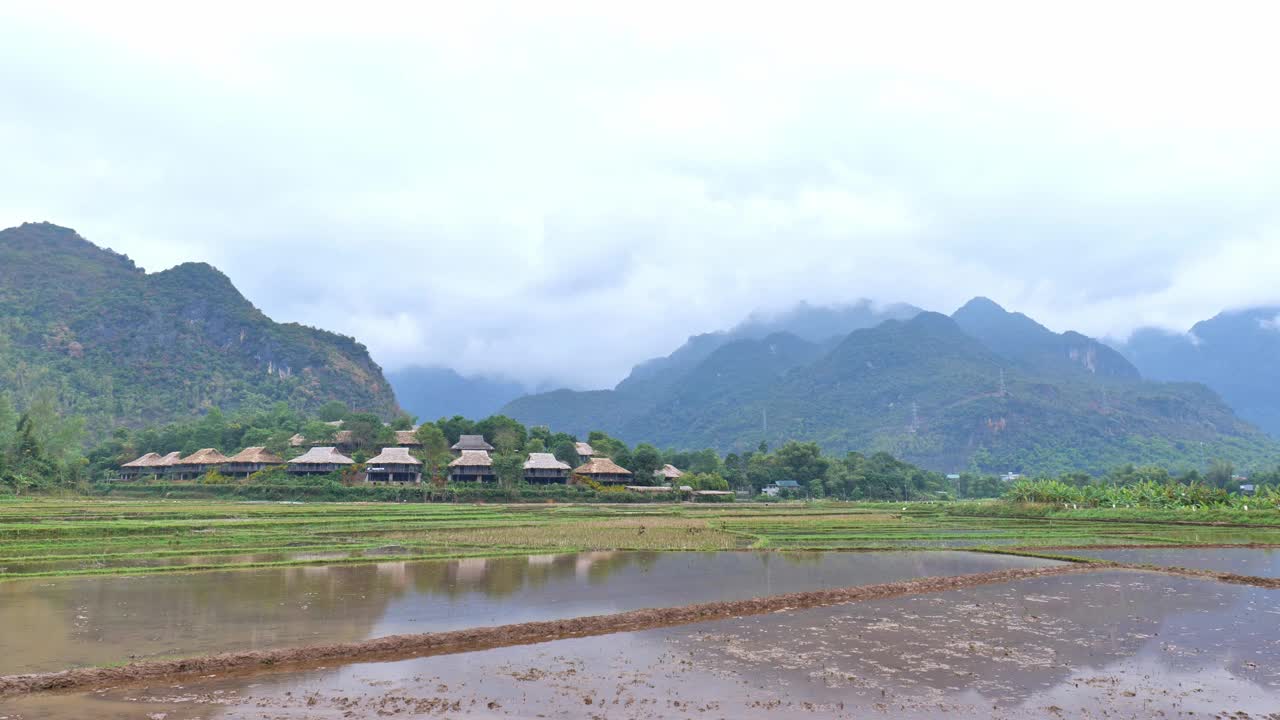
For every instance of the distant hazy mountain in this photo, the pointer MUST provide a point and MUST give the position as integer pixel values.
(1032, 346)
(990, 389)
(434, 392)
(651, 381)
(1235, 353)
(125, 347)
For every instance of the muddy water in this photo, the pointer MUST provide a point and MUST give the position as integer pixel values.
(1114, 644)
(1244, 561)
(57, 623)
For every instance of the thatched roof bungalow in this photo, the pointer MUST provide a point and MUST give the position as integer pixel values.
(604, 471)
(544, 468)
(319, 461)
(668, 473)
(163, 466)
(198, 463)
(585, 451)
(134, 469)
(471, 442)
(394, 464)
(249, 461)
(472, 466)
(407, 439)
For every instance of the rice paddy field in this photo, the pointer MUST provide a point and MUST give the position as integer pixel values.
(196, 610)
(46, 537)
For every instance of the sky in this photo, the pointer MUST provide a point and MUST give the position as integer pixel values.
(551, 192)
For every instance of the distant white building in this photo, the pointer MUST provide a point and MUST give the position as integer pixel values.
(1011, 476)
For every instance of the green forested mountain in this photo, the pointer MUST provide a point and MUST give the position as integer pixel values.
(989, 390)
(123, 347)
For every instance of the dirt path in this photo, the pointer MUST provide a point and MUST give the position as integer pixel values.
(397, 647)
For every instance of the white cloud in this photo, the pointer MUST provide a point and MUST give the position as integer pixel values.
(455, 184)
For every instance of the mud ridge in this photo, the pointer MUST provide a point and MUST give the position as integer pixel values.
(398, 647)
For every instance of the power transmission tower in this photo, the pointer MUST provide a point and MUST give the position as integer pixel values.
(1003, 389)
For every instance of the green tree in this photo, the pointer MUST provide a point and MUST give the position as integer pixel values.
(645, 461)
(509, 469)
(566, 452)
(332, 411)
(1220, 474)
(435, 454)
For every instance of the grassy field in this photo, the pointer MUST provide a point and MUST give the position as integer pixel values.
(40, 537)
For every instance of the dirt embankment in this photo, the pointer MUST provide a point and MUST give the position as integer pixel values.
(405, 646)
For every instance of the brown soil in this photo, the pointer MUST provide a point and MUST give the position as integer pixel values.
(396, 647)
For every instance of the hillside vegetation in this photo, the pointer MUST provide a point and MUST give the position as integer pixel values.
(123, 347)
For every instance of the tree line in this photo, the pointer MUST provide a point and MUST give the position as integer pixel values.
(41, 449)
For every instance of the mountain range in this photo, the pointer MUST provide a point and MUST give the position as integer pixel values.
(125, 347)
(984, 388)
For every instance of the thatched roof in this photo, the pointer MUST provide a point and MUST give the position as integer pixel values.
(334, 423)
(601, 466)
(143, 461)
(297, 440)
(255, 456)
(406, 437)
(167, 461)
(342, 437)
(544, 461)
(394, 456)
(584, 449)
(471, 442)
(322, 456)
(203, 456)
(473, 458)
(669, 471)
(649, 488)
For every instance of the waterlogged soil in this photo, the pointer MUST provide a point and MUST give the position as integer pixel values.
(53, 624)
(1259, 562)
(1105, 644)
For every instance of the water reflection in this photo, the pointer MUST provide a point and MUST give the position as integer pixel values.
(51, 624)
(1244, 561)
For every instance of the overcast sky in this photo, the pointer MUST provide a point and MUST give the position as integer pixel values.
(555, 191)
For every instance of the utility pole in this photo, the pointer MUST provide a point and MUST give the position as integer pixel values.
(1003, 390)
(915, 417)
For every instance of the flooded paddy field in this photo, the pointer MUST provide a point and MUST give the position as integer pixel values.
(1259, 562)
(64, 622)
(1097, 644)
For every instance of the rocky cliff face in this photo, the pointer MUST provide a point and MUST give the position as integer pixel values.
(126, 347)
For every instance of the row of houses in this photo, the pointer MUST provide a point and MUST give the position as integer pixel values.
(395, 464)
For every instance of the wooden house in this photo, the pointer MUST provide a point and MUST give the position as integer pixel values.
(164, 467)
(585, 452)
(668, 474)
(249, 461)
(604, 471)
(319, 461)
(545, 469)
(394, 464)
(407, 439)
(135, 469)
(198, 463)
(472, 466)
(471, 442)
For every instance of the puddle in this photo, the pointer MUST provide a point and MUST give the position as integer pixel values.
(1100, 644)
(1261, 562)
(58, 623)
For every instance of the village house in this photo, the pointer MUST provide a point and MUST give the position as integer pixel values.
(585, 452)
(472, 466)
(474, 443)
(407, 439)
(775, 489)
(394, 464)
(135, 469)
(164, 467)
(318, 461)
(668, 474)
(545, 469)
(249, 461)
(198, 463)
(604, 471)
